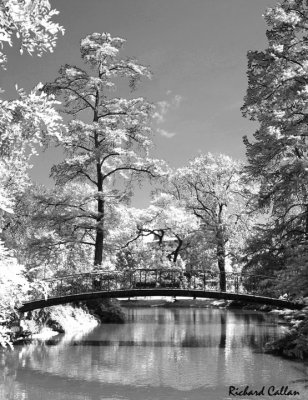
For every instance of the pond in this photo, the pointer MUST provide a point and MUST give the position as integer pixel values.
(160, 353)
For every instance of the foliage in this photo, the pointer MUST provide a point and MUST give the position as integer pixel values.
(44, 243)
(168, 226)
(106, 310)
(13, 291)
(26, 121)
(214, 190)
(200, 254)
(31, 22)
(25, 124)
(264, 257)
(276, 98)
(114, 146)
(294, 344)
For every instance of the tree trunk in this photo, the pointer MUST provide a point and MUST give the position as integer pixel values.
(177, 250)
(221, 265)
(221, 251)
(99, 240)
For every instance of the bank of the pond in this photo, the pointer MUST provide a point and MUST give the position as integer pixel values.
(67, 318)
(294, 344)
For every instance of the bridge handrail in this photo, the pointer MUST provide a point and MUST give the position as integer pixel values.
(89, 274)
(120, 272)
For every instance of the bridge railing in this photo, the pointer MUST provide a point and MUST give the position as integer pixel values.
(150, 278)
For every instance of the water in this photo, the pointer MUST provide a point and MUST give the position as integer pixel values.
(177, 354)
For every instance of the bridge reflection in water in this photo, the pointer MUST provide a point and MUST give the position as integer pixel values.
(153, 282)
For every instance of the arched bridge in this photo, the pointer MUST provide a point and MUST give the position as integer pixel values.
(153, 282)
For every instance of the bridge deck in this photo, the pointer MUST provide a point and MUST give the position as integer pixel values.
(125, 293)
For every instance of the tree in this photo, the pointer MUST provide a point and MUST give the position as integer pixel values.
(276, 98)
(213, 189)
(25, 124)
(168, 227)
(25, 121)
(13, 291)
(40, 241)
(113, 146)
(30, 21)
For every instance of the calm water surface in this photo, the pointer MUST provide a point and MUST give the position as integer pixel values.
(177, 354)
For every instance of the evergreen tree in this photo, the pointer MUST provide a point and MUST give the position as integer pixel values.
(277, 98)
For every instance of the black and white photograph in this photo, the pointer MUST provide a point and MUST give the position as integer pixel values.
(153, 199)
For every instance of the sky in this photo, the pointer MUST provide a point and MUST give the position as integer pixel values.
(196, 50)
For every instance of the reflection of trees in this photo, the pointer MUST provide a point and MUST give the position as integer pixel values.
(163, 347)
(223, 333)
(253, 330)
(8, 372)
